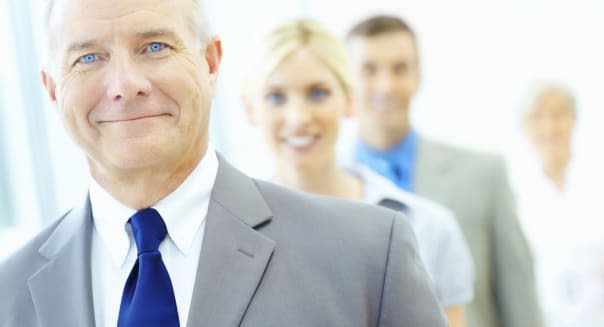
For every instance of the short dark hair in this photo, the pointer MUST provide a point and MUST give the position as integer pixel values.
(377, 25)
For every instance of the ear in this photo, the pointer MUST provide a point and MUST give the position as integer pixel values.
(418, 79)
(214, 56)
(49, 85)
(250, 113)
(573, 120)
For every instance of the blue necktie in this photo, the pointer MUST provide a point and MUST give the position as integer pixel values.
(148, 298)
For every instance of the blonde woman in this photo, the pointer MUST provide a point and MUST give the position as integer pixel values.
(295, 92)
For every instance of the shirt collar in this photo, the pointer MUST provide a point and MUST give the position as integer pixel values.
(183, 211)
(377, 188)
(401, 155)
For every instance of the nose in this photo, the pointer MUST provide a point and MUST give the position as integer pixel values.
(126, 80)
(385, 81)
(298, 113)
(550, 126)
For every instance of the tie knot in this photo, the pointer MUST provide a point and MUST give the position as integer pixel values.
(149, 230)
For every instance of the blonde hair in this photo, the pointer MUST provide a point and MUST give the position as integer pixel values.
(285, 39)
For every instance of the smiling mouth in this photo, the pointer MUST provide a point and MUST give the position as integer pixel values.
(300, 142)
(131, 119)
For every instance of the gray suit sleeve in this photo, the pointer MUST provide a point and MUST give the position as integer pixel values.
(514, 276)
(407, 298)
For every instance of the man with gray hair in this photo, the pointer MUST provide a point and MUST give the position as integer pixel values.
(169, 233)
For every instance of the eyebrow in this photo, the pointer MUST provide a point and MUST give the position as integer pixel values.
(157, 33)
(83, 45)
(149, 34)
(313, 83)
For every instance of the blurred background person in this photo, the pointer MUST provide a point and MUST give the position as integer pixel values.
(560, 211)
(474, 185)
(296, 91)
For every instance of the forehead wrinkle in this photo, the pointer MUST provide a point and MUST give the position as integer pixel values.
(87, 43)
(80, 18)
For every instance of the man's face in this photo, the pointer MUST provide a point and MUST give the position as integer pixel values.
(386, 78)
(132, 81)
(549, 126)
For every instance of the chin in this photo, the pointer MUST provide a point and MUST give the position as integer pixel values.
(307, 163)
(129, 156)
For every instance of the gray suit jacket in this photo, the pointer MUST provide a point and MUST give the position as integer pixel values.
(475, 187)
(270, 257)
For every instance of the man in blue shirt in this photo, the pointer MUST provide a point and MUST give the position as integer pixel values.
(473, 185)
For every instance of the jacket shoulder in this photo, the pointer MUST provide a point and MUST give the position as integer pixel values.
(470, 160)
(362, 252)
(16, 270)
(457, 151)
(315, 210)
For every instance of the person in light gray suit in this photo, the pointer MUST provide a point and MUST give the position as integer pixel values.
(473, 185)
(169, 233)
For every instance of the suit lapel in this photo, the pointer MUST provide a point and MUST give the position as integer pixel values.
(234, 254)
(61, 290)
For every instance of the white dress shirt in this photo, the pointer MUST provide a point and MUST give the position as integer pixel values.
(114, 250)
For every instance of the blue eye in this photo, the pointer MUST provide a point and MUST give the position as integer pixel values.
(156, 47)
(318, 94)
(275, 98)
(88, 58)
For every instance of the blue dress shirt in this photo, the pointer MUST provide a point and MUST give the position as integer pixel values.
(397, 163)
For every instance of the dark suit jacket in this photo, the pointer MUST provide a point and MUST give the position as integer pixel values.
(270, 257)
